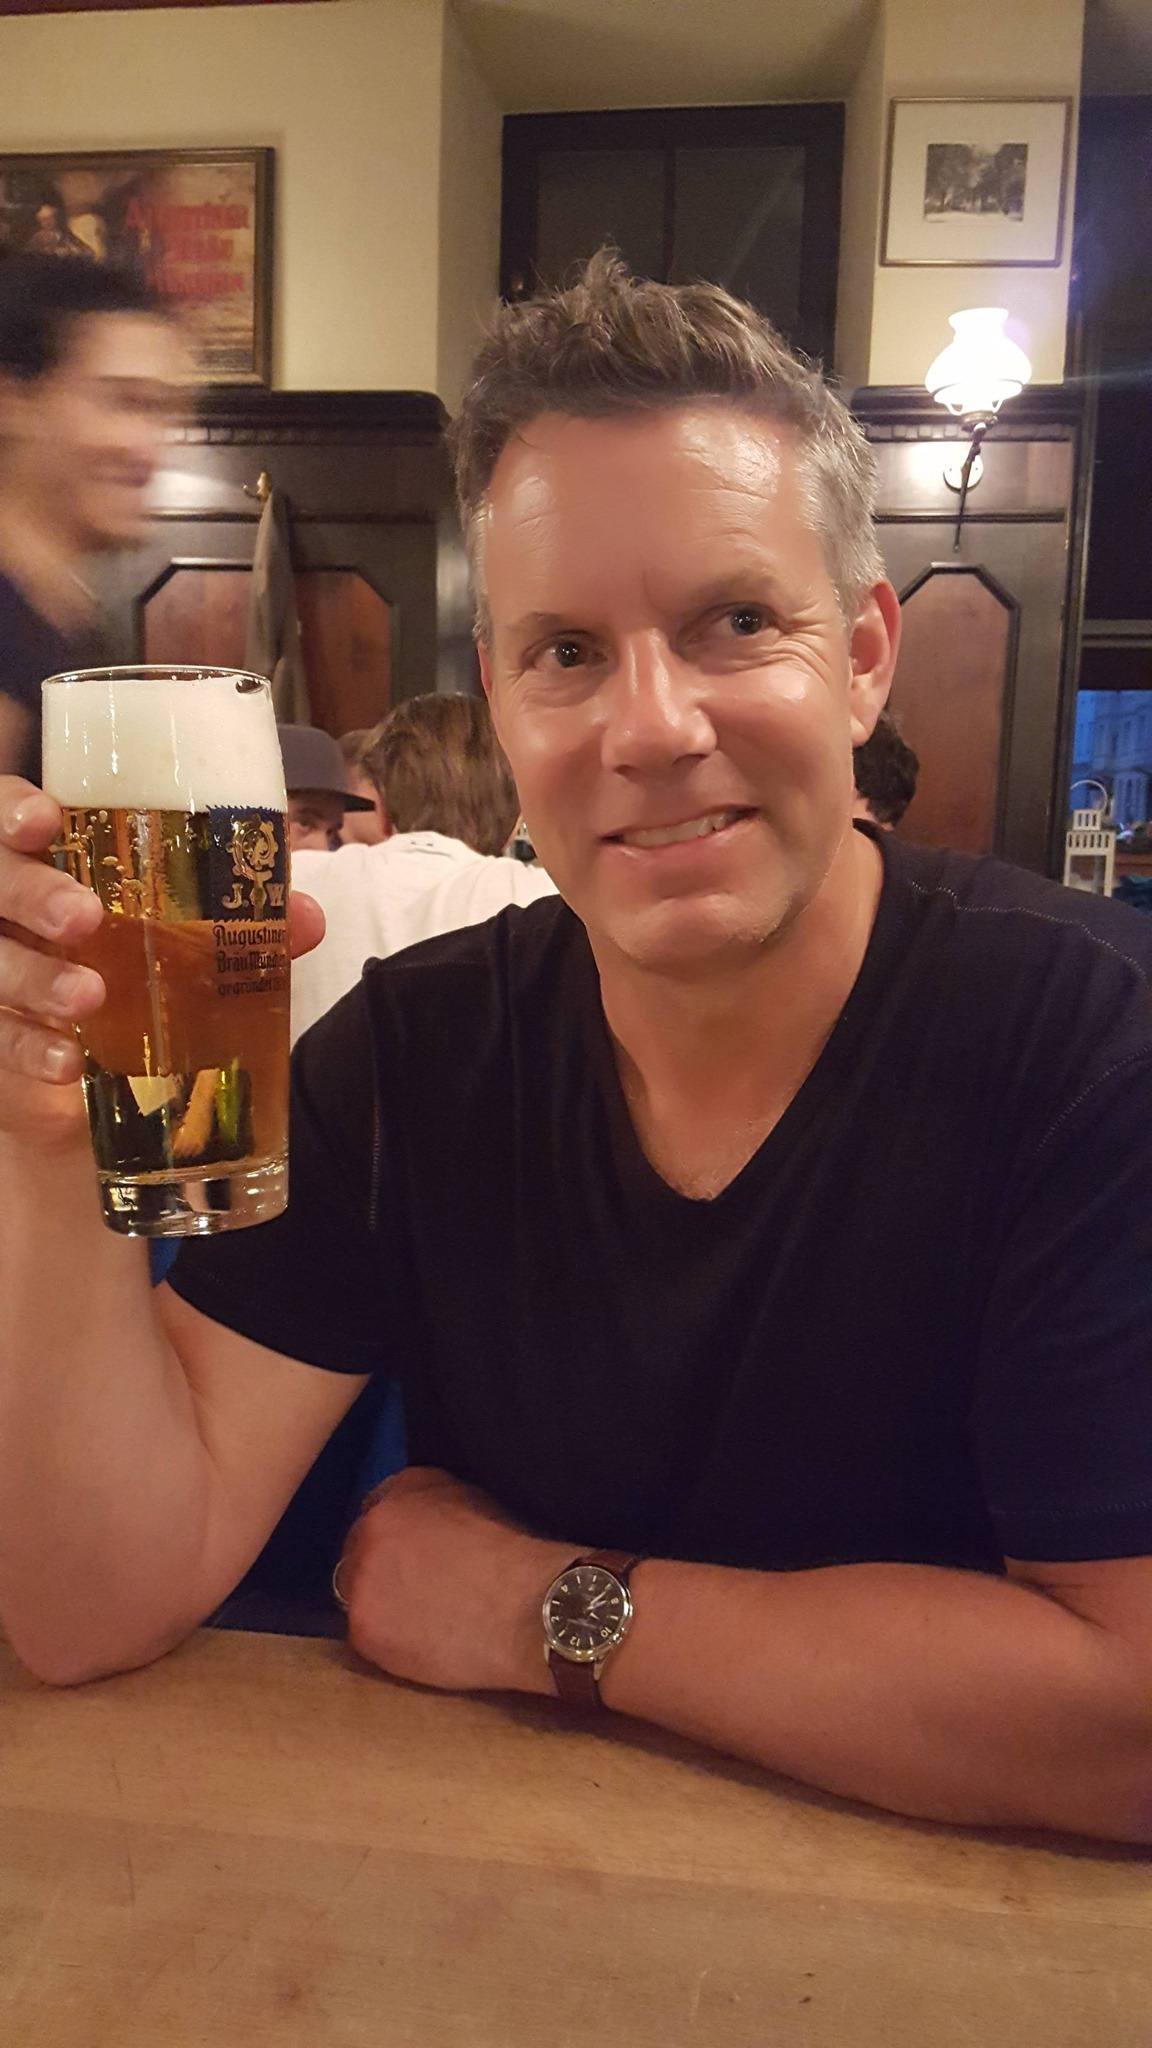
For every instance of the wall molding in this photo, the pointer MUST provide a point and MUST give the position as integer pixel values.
(246, 415)
(904, 412)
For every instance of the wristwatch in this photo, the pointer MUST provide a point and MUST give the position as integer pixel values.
(587, 1614)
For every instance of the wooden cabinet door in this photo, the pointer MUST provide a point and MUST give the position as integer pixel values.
(381, 589)
(978, 690)
(366, 598)
(985, 682)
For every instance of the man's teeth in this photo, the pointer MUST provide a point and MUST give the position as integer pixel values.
(671, 835)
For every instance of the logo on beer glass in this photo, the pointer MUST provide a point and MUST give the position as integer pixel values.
(253, 852)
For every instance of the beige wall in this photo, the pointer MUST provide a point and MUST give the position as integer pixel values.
(1026, 49)
(860, 211)
(387, 146)
(347, 93)
(470, 125)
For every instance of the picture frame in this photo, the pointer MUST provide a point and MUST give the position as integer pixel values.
(976, 182)
(196, 224)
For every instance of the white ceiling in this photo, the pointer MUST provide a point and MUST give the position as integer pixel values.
(550, 56)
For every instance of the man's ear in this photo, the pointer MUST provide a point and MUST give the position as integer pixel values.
(873, 647)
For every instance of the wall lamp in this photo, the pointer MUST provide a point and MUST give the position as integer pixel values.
(980, 368)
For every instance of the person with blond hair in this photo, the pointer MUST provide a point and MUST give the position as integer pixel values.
(770, 1360)
(448, 807)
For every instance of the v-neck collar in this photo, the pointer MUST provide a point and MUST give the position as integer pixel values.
(636, 1169)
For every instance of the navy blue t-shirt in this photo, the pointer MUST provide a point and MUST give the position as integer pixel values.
(915, 1327)
(30, 649)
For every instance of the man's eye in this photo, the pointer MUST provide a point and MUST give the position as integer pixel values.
(567, 653)
(747, 619)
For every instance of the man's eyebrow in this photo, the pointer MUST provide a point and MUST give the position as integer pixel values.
(754, 579)
(533, 624)
(151, 384)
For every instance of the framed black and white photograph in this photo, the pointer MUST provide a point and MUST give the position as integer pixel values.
(976, 182)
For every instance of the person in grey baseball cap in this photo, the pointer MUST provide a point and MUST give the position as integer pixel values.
(318, 795)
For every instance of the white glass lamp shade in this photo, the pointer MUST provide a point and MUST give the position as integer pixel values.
(981, 366)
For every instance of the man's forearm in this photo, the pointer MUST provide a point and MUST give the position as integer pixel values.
(946, 1695)
(103, 1481)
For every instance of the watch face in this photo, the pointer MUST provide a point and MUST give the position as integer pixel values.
(586, 1612)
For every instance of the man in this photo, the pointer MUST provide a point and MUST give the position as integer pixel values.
(318, 794)
(91, 375)
(730, 1215)
(449, 807)
(885, 771)
(361, 828)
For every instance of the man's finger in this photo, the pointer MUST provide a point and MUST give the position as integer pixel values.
(48, 987)
(37, 1051)
(36, 899)
(29, 820)
(305, 924)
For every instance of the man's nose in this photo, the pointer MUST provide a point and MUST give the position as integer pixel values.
(654, 712)
(148, 446)
(142, 441)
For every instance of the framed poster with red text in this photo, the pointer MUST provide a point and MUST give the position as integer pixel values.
(195, 223)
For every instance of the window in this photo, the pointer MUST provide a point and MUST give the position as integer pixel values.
(747, 197)
(1120, 770)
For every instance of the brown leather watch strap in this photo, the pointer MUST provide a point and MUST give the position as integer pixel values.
(578, 1685)
(618, 1562)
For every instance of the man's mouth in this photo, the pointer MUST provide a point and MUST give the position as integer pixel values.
(675, 835)
(132, 476)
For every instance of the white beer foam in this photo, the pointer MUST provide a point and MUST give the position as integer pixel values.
(161, 743)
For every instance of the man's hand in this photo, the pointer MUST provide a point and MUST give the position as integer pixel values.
(443, 1589)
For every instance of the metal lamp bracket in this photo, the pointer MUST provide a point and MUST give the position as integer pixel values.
(954, 474)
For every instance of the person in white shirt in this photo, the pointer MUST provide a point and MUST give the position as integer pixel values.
(450, 807)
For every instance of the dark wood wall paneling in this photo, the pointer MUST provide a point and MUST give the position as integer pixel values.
(381, 588)
(985, 685)
(1110, 310)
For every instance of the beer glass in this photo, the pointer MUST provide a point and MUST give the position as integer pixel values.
(172, 789)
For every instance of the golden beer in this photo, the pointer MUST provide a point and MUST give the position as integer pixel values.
(186, 1065)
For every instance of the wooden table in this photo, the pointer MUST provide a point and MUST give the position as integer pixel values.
(257, 1844)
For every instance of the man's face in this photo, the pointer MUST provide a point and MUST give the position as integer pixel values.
(671, 679)
(314, 820)
(83, 442)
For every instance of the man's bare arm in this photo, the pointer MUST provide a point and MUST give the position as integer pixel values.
(145, 1452)
(946, 1695)
(937, 1693)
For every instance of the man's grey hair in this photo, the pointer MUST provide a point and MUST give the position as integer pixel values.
(614, 344)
